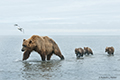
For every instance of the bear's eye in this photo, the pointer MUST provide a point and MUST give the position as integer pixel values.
(24, 45)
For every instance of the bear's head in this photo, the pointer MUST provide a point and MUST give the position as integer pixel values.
(106, 49)
(85, 49)
(28, 45)
(78, 52)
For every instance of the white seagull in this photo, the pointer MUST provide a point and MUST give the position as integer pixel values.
(19, 28)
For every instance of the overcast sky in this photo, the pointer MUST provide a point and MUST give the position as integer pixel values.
(59, 17)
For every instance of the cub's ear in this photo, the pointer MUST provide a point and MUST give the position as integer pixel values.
(30, 41)
(23, 39)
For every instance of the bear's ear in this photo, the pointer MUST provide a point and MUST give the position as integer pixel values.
(23, 39)
(30, 41)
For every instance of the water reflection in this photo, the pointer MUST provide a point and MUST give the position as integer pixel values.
(40, 69)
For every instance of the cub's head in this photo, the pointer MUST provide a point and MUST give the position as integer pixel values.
(85, 49)
(106, 49)
(78, 52)
(28, 45)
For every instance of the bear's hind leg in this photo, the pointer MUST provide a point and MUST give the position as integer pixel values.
(49, 56)
(58, 53)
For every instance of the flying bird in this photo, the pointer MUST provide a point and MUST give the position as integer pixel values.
(19, 28)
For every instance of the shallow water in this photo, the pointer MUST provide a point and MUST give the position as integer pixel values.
(99, 66)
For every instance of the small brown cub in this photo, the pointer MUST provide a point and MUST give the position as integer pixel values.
(88, 51)
(109, 50)
(79, 52)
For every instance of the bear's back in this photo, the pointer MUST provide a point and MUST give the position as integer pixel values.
(36, 37)
(112, 49)
(49, 40)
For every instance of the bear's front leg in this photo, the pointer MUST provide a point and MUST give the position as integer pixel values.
(26, 55)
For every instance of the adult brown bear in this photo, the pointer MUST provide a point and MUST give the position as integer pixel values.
(110, 50)
(45, 46)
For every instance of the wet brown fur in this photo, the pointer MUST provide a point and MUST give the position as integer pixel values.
(109, 50)
(44, 45)
(88, 51)
(79, 51)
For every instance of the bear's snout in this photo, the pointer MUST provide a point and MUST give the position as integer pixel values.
(22, 50)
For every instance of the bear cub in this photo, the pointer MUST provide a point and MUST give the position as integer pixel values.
(109, 50)
(79, 52)
(87, 51)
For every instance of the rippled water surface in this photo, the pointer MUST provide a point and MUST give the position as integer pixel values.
(99, 66)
